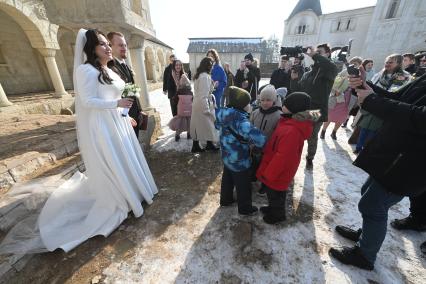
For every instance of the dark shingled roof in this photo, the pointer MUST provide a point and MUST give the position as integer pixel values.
(305, 5)
(225, 45)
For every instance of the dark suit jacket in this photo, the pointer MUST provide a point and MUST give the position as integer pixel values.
(126, 74)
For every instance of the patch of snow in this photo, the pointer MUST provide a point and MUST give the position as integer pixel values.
(213, 250)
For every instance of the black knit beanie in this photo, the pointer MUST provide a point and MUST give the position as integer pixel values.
(297, 102)
(249, 57)
(238, 98)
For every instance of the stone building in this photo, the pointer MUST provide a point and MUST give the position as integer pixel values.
(37, 42)
(231, 50)
(392, 26)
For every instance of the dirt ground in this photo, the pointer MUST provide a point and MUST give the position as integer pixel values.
(182, 179)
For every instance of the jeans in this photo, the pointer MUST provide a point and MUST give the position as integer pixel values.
(374, 206)
(365, 135)
(242, 184)
(313, 141)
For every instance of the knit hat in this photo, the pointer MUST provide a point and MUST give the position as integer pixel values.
(268, 93)
(249, 57)
(238, 98)
(297, 102)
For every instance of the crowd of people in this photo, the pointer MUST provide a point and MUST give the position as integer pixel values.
(261, 133)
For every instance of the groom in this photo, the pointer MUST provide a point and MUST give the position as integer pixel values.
(119, 66)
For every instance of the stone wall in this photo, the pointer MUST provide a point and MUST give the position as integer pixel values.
(24, 68)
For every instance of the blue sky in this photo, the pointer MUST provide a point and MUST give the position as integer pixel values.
(176, 20)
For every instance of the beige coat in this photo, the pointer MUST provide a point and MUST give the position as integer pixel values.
(203, 110)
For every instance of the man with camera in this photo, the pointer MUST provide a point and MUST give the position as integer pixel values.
(394, 159)
(317, 83)
(281, 77)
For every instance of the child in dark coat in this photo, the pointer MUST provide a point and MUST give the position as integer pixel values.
(282, 153)
(236, 136)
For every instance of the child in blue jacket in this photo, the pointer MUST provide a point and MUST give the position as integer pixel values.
(236, 136)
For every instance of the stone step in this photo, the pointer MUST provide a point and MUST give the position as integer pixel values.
(22, 167)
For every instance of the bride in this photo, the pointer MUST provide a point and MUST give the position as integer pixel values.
(117, 177)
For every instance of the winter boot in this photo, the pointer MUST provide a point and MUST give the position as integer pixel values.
(348, 233)
(196, 147)
(351, 256)
(333, 135)
(409, 223)
(177, 137)
(248, 212)
(309, 164)
(188, 135)
(211, 147)
(265, 210)
(322, 135)
(274, 215)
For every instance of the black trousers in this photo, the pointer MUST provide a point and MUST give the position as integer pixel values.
(239, 180)
(418, 208)
(173, 105)
(276, 200)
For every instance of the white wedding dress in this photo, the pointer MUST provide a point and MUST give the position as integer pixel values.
(116, 181)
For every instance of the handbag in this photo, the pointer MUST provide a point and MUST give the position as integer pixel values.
(143, 121)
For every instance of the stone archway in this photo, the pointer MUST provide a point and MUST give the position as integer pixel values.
(41, 34)
(150, 64)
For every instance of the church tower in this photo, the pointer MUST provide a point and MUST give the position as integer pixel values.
(302, 26)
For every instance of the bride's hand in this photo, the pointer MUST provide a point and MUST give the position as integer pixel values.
(133, 122)
(127, 103)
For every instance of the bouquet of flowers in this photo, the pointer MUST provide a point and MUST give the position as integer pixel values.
(130, 91)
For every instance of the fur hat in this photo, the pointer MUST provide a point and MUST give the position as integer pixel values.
(238, 98)
(249, 57)
(268, 93)
(297, 102)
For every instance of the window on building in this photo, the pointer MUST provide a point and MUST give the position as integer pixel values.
(348, 25)
(303, 29)
(393, 8)
(338, 26)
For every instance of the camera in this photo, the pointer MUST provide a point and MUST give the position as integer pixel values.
(343, 54)
(293, 51)
(352, 70)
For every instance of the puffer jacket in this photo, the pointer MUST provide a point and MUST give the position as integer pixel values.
(266, 120)
(236, 136)
(282, 153)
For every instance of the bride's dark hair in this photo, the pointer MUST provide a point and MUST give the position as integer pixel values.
(92, 41)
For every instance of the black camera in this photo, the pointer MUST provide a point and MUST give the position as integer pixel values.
(293, 51)
(343, 54)
(352, 70)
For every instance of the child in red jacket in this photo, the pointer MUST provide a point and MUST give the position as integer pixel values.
(282, 153)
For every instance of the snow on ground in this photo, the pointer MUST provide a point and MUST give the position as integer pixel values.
(221, 246)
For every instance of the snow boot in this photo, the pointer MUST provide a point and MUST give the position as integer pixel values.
(409, 223)
(348, 233)
(196, 147)
(351, 256)
(248, 212)
(265, 210)
(274, 215)
(211, 147)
